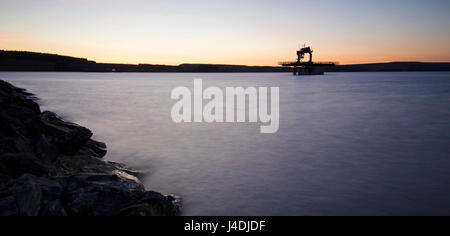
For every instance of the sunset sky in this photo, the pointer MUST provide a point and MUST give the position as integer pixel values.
(252, 32)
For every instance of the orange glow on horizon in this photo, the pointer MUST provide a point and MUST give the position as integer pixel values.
(122, 56)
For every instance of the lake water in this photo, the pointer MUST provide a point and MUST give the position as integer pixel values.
(348, 143)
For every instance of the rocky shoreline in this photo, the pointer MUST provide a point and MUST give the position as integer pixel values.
(50, 167)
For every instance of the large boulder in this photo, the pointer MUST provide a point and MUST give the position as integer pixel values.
(29, 195)
(68, 137)
(152, 204)
(95, 148)
(100, 194)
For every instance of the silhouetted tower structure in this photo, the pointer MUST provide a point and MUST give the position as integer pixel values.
(302, 52)
(309, 67)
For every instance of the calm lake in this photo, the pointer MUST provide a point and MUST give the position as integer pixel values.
(348, 143)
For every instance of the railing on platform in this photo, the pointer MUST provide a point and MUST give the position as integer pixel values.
(294, 63)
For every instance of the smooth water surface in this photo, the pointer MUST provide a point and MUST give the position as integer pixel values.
(348, 144)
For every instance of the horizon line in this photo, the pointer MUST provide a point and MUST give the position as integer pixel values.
(224, 64)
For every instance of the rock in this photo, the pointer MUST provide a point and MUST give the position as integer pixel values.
(50, 116)
(14, 96)
(8, 206)
(37, 196)
(98, 148)
(7, 203)
(54, 208)
(72, 141)
(68, 137)
(126, 169)
(7, 145)
(152, 204)
(7, 125)
(13, 165)
(45, 149)
(28, 195)
(100, 194)
(93, 187)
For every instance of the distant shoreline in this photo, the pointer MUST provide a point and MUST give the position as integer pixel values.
(42, 62)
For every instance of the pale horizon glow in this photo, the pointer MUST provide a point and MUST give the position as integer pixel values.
(248, 32)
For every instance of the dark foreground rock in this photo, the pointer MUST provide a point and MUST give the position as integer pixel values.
(49, 167)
